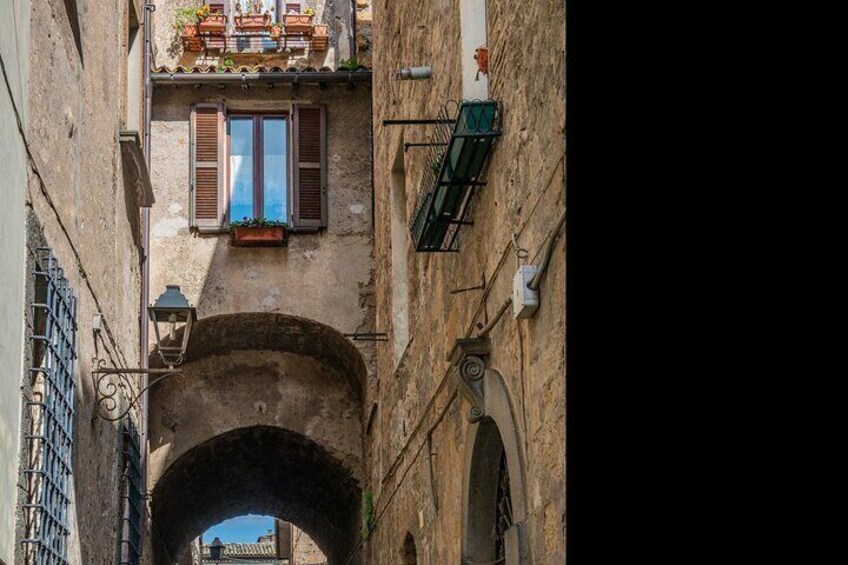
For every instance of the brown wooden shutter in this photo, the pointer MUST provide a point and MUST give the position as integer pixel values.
(309, 170)
(207, 166)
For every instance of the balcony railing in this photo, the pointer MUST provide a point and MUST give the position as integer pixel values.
(457, 154)
(255, 34)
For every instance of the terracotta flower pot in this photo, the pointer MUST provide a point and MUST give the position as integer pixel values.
(253, 22)
(320, 37)
(191, 41)
(214, 24)
(255, 236)
(482, 56)
(298, 23)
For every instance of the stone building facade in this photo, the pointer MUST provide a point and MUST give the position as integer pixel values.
(448, 485)
(394, 402)
(71, 279)
(267, 414)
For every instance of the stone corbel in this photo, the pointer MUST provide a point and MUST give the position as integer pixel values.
(468, 355)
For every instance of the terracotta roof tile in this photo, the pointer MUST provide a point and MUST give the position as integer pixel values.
(262, 549)
(243, 69)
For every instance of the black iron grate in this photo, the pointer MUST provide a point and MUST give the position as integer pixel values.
(47, 468)
(132, 494)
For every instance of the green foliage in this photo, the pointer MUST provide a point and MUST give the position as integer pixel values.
(184, 16)
(351, 63)
(367, 513)
(259, 222)
(309, 11)
(228, 64)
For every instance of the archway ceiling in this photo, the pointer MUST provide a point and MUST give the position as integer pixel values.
(218, 335)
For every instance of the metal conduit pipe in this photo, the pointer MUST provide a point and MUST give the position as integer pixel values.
(263, 77)
(546, 256)
(413, 73)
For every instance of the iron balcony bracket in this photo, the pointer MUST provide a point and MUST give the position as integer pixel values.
(362, 336)
(106, 390)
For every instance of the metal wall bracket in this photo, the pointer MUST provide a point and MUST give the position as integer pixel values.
(106, 390)
(468, 354)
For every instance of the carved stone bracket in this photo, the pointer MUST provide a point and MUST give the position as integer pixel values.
(469, 354)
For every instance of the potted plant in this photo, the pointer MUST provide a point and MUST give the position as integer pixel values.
(276, 30)
(300, 23)
(249, 16)
(481, 54)
(210, 22)
(320, 36)
(185, 25)
(258, 232)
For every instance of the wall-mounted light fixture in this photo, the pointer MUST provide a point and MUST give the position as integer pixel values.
(170, 313)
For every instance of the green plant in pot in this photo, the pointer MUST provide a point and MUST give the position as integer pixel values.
(258, 232)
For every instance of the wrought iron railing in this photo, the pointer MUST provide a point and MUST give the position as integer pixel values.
(457, 153)
(49, 438)
(234, 39)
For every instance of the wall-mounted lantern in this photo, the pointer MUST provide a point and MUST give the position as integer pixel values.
(171, 313)
(170, 309)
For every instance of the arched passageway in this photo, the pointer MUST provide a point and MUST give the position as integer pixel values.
(265, 418)
(261, 470)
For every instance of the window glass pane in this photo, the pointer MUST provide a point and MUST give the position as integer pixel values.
(241, 168)
(274, 168)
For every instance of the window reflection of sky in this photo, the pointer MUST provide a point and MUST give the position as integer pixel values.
(241, 168)
(274, 172)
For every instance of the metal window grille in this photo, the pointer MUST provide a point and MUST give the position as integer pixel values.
(49, 438)
(132, 495)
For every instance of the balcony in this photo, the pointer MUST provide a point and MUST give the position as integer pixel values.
(254, 33)
(458, 152)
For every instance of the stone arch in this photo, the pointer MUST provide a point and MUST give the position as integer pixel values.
(249, 381)
(493, 445)
(409, 552)
(262, 470)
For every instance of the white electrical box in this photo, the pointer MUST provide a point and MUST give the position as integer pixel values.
(525, 301)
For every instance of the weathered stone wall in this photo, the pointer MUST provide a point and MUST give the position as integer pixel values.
(14, 51)
(523, 199)
(79, 207)
(323, 276)
(304, 550)
(336, 14)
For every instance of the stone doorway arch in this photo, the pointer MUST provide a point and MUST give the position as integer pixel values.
(494, 503)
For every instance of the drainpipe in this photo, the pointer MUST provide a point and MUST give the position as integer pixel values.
(353, 29)
(145, 238)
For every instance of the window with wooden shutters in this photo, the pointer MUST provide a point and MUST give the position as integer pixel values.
(309, 169)
(207, 175)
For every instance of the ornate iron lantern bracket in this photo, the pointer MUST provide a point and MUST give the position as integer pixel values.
(170, 309)
(106, 390)
(468, 354)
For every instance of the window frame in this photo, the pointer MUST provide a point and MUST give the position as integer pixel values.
(258, 160)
